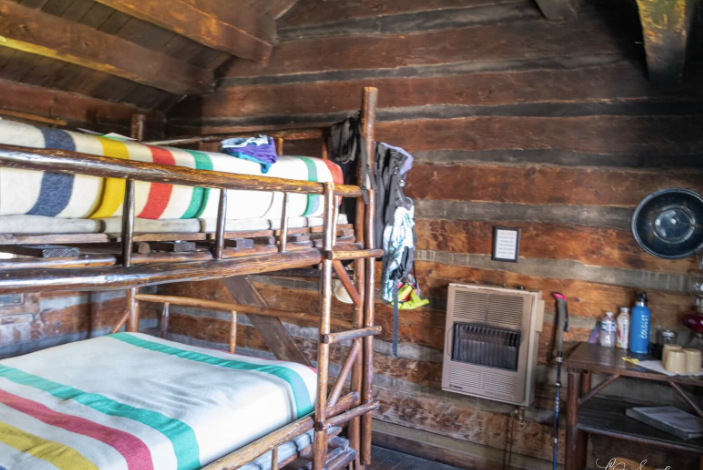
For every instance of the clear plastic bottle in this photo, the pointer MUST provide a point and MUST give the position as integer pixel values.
(608, 331)
(623, 321)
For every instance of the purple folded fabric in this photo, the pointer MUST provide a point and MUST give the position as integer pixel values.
(260, 149)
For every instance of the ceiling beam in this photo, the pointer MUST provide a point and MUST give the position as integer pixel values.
(77, 110)
(275, 8)
(36, 32)
(666, 25)
(224, 25)
(559, 9)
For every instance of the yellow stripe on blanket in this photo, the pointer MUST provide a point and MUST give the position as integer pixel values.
(114, 188)
(59, 455)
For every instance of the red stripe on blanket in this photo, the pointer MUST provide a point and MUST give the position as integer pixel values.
(134, 451)
(337, 176)
(159, 193)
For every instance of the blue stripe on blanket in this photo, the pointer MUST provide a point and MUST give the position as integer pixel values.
(56, 188)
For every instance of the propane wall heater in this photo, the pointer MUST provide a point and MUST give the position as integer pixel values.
(491, 342)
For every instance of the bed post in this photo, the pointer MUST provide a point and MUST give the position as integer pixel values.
(323, 350)
(360, 433)
(137, 133)
(369, 301)
(138, 121)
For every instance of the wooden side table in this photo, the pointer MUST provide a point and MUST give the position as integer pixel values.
(606, 417)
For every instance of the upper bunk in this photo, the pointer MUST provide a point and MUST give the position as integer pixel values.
(291, 221)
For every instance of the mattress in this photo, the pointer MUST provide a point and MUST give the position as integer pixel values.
(37, 224)
(25, 192)
(129, 401)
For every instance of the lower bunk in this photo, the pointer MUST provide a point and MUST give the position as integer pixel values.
(135, 402)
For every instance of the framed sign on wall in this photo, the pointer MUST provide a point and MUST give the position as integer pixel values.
(506, 244)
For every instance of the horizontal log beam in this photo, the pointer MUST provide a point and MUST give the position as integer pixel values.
(77, 109)
(666, 25)
(351, 334)
(137, 276)
(520, 82)
(353, 254)
(591, 246)
(31, 30)
(559, 9)
(544, 185)
(353, 413)
(66, 161)
(275, 8)
(519, 40)
(238, 29)
(287, 134)
(239, 308)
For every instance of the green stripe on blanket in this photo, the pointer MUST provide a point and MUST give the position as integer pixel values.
(182, 436)
(313, 199)
(301, 396)
(200, 195)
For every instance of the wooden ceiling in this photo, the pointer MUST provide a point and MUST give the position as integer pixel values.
(140, 52)
(148, 54)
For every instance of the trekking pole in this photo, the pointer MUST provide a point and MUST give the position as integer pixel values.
(562, 326)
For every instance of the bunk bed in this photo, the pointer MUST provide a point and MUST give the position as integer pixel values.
(168, 405)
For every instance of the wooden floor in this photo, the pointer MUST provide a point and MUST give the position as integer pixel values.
(386, 459)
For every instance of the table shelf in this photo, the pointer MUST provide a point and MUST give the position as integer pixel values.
(607, 417)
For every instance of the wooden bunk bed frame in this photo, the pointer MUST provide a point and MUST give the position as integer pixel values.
(124, 261)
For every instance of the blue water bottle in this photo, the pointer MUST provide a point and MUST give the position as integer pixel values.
(639, 325)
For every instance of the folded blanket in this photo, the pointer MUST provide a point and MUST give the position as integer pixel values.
(24, 192)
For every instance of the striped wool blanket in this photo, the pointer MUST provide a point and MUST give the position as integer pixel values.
(49, 194)
(129, 401)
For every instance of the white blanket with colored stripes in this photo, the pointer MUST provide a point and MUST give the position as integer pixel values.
(134, 402)
(24, 192)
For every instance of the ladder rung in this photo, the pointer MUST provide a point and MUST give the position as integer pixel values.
(331, 338)
(354, 254)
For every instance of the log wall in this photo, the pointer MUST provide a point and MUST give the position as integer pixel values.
(551, 127)
(49, 319)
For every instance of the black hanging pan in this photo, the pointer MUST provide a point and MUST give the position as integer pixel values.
(669, 223)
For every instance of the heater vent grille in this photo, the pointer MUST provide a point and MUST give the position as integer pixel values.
(505, 309)
(470, 305)
(493, 308)
(486, 346)
(499, 383)
(465, 378)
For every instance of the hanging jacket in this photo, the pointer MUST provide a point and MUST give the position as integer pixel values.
(348, 150)
(398, 249)
(391, 165)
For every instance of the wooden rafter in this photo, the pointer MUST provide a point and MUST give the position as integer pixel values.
(275, 8)
(559, 9)
(231, 27)
(666, 25)
(54, 106)
(36, 32)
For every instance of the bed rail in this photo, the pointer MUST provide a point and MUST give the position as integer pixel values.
(67, 161)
